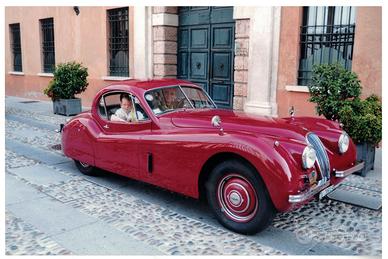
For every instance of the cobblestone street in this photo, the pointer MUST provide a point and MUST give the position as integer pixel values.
(51, 208)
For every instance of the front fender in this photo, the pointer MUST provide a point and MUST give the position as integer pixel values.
(276, 166)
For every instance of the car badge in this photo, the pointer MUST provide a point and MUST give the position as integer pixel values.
(216, 121)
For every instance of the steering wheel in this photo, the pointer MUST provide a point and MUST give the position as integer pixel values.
(184, 103)
(193, 102)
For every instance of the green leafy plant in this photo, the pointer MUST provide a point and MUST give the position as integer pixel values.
(69, 79)
(336, 91)
(362, 120)
(332, 88)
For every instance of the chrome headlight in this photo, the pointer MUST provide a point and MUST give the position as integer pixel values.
(343, 142)
(308, 157)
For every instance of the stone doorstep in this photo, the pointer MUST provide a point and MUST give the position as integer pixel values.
(357, 196)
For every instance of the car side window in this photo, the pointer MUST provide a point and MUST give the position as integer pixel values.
(101, 108)
(197, 98)
(121, 107)
(112, 103)
(166, 99)
(140, 113)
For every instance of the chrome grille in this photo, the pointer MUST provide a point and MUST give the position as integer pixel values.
(322, 158)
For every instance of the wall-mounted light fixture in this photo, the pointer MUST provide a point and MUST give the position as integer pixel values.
(76, 10)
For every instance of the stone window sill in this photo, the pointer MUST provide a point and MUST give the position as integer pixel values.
(16, 73)
(46, 74)
(115, 78)
(297, 88)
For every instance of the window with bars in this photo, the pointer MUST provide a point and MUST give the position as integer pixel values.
(327, 36)
(16, 47)
(118, 42)
(48, 49)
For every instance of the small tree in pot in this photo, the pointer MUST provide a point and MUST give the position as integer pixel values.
(336, 91)
(69, 79)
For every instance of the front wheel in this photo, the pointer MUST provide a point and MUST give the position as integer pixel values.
(238, 198)
(85, 168)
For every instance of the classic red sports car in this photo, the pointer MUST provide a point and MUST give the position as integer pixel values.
(170, 133)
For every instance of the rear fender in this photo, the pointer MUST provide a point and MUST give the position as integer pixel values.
(79, 138)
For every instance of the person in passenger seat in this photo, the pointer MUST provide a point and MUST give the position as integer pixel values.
(126, 112)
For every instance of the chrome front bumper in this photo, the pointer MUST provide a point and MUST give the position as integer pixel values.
(349, 171)
(295, 198)
(308, 194)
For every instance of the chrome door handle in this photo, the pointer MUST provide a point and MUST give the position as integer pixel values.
(106, 126)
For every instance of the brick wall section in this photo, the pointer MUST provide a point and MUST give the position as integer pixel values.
(165, 9)
(165, 45)
(241, 63)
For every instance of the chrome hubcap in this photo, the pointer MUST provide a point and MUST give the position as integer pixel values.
(237, 198)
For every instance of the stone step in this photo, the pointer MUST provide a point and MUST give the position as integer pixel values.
(361, 197)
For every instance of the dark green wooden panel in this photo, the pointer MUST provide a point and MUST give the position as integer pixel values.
(183, 60)
(221, 66)
(198, 65)
(194, 16)
(199, 38)
(221, 94)
(221, 14)
(222, 36)
(183, 38)
(206, 50)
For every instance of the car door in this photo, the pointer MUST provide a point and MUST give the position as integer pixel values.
(117, 147)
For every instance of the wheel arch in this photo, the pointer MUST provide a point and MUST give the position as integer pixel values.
(215, 160)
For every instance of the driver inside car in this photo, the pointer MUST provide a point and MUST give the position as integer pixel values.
(170, 97)
(126, 113)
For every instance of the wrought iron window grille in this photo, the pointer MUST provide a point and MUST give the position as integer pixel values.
(16, 47)
(48, 45)
(327, 36)
(118, 42)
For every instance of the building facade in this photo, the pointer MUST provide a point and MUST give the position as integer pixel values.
(256, 59)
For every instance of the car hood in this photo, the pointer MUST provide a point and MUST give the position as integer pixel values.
(239, 121)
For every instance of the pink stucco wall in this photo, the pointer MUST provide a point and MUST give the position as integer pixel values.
(367, 53)
(82, 38)
(366, 57)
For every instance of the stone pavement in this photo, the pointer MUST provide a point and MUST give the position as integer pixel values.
(53, 209)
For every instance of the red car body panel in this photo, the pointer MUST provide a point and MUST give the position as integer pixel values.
(182, 142)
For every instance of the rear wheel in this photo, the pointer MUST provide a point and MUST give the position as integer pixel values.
(85, 168)
(238, 198)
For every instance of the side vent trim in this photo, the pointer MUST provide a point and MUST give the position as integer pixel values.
(149, 162)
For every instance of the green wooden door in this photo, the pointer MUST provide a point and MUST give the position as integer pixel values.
(206, 50)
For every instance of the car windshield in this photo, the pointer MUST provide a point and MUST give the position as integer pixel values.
(171, 98)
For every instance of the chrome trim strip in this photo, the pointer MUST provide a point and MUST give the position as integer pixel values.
(187, 98)
(322, 157)
(349, 171)
(208, 96)
(308, 194)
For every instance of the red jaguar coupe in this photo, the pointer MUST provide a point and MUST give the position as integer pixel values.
(172, 135)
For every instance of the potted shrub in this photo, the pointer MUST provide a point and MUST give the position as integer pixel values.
(362, 120)
(69, 79)
(336, 92)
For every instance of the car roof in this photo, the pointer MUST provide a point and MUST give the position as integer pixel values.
(146, 85)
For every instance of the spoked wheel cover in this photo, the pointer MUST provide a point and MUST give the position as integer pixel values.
(237, 198)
